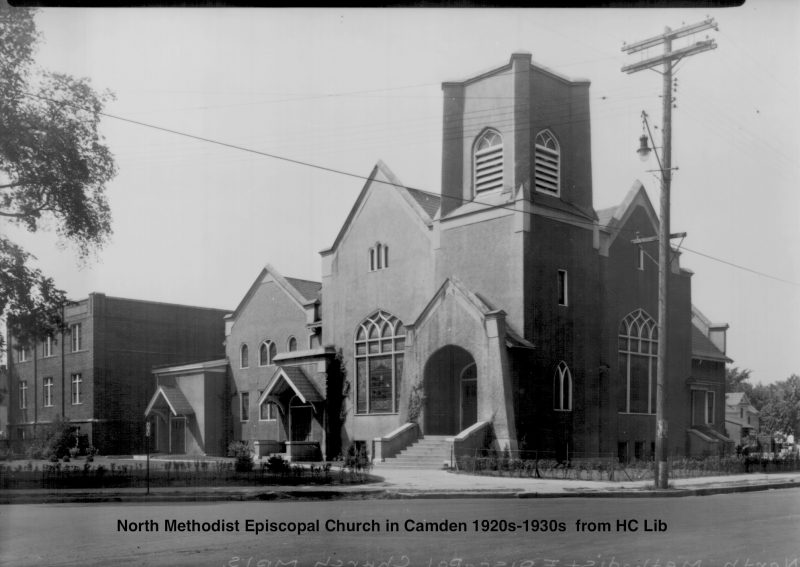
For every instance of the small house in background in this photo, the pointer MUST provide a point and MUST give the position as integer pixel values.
(97, 373)
(707, 434)
(741, 417)
(184, 412)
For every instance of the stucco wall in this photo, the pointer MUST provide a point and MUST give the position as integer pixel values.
(352, 292)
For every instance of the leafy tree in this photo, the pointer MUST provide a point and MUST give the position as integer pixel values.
(54, 167)
(781, 412)
(737, 380)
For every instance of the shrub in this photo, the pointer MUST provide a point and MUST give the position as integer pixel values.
(276, 465)
(244, 457)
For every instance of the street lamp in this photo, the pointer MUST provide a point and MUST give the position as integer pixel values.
(644, 150)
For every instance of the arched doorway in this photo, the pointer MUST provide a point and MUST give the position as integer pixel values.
(451, 391)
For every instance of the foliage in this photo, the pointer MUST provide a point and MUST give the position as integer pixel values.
(54, 167)
(277, 465)
(778, 403)
(356, 458)
(416, 400)
(781, 412)
(53, 441)
(244, 456)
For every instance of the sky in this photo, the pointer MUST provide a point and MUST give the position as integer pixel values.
(194, 222)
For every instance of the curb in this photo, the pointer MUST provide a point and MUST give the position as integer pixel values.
(377, 494)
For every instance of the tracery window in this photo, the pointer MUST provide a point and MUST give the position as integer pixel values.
(638, 351)
(379, 345)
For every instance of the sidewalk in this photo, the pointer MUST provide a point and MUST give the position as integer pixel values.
(416, 483)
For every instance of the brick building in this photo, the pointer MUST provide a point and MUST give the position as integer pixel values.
(98, 373)
(505, 310)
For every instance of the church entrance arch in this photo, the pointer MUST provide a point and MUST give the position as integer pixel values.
(451, 391)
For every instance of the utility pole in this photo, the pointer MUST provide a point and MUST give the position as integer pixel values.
(667, 61)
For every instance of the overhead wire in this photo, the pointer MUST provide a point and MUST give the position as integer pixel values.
(588, 222)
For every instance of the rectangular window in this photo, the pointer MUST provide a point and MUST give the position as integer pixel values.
(24, 354)
(267, 411)
(710, 407)
(640, 258)
(563, 289)
(76, 334)
(23, 394)
(244, 406)
(47, 347)
(47, 393)
(77, 395)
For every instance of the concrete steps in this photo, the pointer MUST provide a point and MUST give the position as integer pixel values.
(430, 452)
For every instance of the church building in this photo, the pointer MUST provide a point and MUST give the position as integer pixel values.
(504, 311)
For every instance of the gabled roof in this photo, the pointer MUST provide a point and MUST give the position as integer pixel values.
(303, 292)
(702, 347)
(480, 309)
(307, 288)
(613, 219)
(294, 378)
(175, 400)
(425, 205)
(735, 399)
(429, 202)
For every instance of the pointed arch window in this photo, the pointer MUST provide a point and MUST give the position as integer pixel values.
(638, 351)
(244, 360)
(562, 388)
(547, 163)
(487, 162)
(291, 344)
(379, 346)
(266, 353)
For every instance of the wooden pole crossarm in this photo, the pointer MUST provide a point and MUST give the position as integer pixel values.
(665, 58)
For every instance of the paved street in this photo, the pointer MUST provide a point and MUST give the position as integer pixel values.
(737, 529)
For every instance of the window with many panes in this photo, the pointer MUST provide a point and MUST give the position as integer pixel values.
(487, 162)
(638, 350)
(47, 392)
(562, 388)
(547, 159)
(379, 345)
(77, 395)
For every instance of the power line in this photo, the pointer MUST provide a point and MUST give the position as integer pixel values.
(740, 267)
(589, 223)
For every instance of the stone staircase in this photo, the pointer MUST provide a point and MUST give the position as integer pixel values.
(430, 452)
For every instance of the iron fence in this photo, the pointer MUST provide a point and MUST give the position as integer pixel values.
(607, 466)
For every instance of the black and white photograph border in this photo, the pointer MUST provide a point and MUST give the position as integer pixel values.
(400, 286)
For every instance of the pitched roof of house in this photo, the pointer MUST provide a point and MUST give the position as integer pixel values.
(425, 205)
(303, 292)
(295, 378)
(307, 288)
(429, 202)
(177, 402)
(702, 347)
